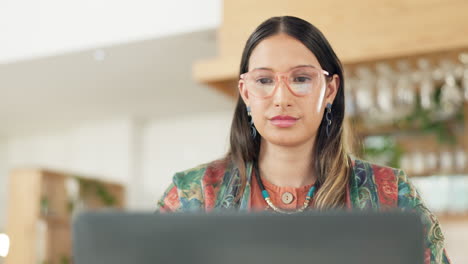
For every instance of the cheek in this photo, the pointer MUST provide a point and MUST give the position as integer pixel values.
(259, 109)
(317, 100)
(312, 115)
(312, 107)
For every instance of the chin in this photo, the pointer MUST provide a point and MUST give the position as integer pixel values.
(286, 140)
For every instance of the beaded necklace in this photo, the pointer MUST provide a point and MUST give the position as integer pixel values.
(266, 195)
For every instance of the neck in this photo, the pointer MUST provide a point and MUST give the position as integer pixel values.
(287, 166)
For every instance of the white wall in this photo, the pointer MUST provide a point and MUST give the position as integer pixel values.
(174, 145)
(100, 149)
(142, 154)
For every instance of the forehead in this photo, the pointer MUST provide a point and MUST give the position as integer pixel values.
(281, 52)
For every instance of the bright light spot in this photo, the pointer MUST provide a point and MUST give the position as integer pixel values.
(4, 245)
(99, 55)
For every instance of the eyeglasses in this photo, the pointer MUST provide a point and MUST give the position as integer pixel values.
(301, 81)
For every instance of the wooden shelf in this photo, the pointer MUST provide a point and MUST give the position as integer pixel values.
(450, 217)
(56, 220)
(39, 212)
(361, 129)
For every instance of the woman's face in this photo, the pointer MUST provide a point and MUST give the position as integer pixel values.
(280, 53)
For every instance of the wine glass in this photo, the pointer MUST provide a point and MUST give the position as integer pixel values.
(365, 93)
(384, 84)
(464, 59)
(418, 162)
(405, 92)
(405, 163)
(450, 97)
(350, 100)
(446, 161)
(431, 161)
(460, 160)
(426, 83)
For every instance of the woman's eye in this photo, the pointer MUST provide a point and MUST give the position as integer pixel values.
(302, 79)
(265, 81)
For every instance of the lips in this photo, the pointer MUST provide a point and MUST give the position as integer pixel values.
(283, 121)
(283, 117)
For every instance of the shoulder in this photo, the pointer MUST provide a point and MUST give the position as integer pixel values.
(368, 171)
(209, 172)
(376, 185)
(198, 187)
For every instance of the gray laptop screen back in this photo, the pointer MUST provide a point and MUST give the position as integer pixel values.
(325, 238)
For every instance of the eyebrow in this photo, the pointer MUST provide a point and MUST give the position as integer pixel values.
(303, 65)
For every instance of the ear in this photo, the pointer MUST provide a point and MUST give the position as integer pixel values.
(332, 89)
(243, 91)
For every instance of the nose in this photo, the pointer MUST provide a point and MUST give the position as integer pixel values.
(283, 97)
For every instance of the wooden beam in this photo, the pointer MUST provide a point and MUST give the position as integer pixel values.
(24, 190)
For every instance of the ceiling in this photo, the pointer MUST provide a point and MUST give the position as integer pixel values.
(145, 79)
(48, 27)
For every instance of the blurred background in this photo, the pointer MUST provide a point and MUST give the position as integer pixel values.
(101, 102)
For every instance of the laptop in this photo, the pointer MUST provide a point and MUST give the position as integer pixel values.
(333, 237)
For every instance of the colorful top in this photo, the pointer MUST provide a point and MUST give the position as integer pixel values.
(214, 185)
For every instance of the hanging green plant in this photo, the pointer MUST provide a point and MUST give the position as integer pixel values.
(426, 121)
(65, 260)
(106, 197)
(98, 189)
(45, 205)
(383, 150)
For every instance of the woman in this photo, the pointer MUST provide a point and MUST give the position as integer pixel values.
(287, 151)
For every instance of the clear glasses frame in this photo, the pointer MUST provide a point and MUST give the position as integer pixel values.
(254, 79)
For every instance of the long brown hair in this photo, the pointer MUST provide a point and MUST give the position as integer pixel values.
(331, 160)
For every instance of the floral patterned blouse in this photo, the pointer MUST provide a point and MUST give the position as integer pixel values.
(214, 185)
